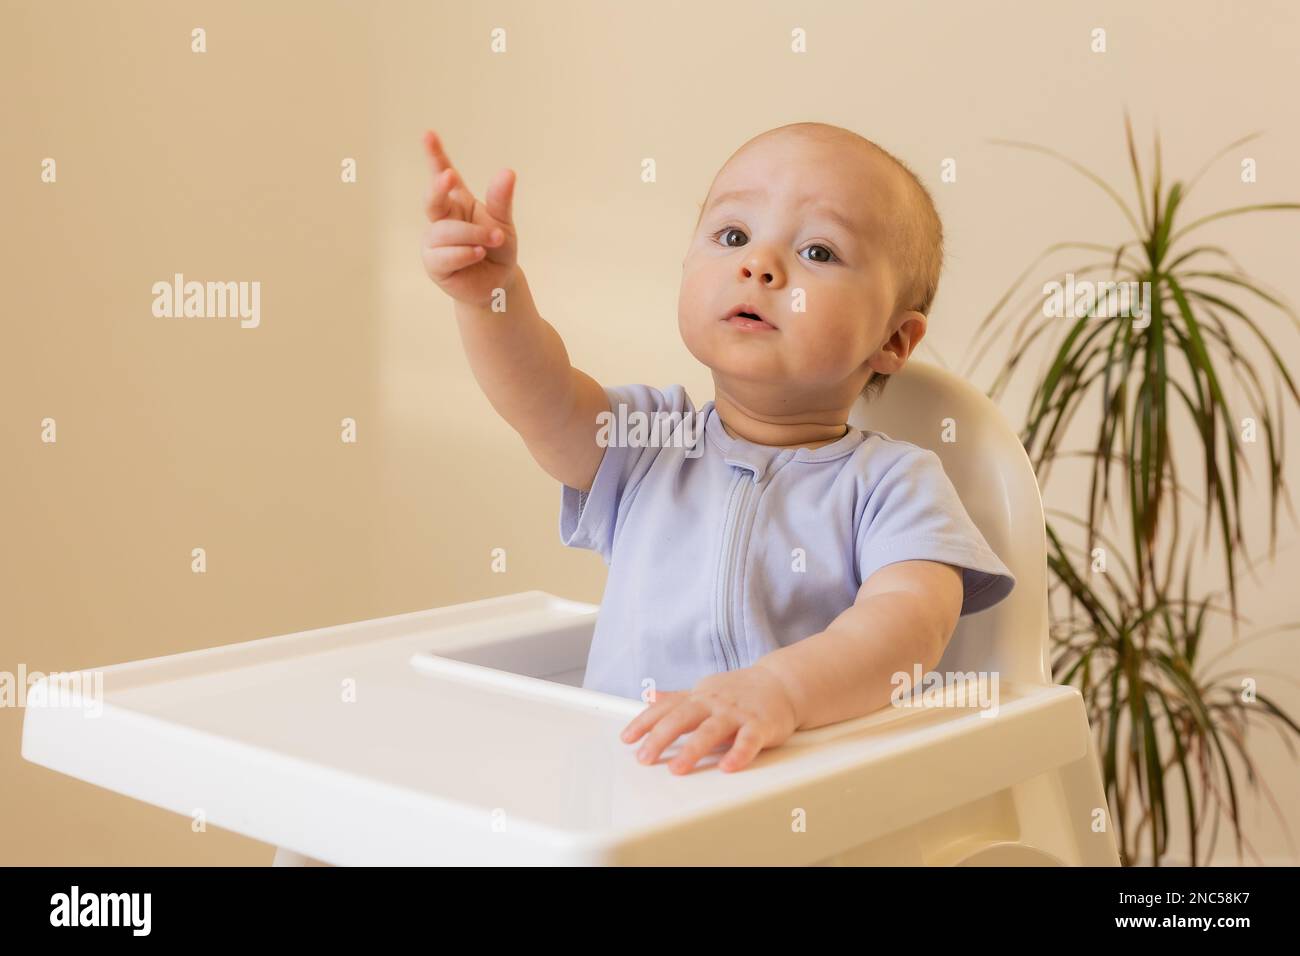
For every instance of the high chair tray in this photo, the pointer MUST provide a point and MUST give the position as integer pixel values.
(403, 740)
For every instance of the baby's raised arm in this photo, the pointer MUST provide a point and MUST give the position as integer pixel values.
(517, 357)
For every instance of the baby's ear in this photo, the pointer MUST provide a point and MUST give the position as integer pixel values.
(912, 327)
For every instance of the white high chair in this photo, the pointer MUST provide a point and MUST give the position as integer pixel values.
(462, 735)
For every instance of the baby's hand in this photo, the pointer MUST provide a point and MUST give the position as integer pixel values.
(750, 704)
(470, 249)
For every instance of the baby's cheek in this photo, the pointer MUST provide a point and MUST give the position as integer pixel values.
(694, 282)
(693, 333)
(827, 349)
(693, 300)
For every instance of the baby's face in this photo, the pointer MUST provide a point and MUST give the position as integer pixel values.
(790, 223)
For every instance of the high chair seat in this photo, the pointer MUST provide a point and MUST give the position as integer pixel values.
(462, 735)
(988, 466)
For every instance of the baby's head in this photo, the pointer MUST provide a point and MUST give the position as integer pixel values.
(832, 241)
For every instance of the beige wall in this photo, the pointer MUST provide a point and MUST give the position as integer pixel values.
(176, 434)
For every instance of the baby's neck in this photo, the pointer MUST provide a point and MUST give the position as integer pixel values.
(779, 434)
(809, 444)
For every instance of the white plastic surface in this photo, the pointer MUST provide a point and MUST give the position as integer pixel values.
(452, 762)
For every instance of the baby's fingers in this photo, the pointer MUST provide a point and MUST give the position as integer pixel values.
(743, 750)
(663, 702)
(686, 716)
(438, 204)
(441, 262)
(438, 159)
(712, 732)
(501, 195)
(457, 232)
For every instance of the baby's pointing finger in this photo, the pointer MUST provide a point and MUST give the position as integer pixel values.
(438, 160)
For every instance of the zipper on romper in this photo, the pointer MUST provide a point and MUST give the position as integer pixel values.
(741, 490)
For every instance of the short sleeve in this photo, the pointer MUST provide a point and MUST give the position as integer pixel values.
(590, 519)
(914, 513)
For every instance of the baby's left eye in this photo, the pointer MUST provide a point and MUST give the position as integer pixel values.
(818, 245)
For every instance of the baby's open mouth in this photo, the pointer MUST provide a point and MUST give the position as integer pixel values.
(745, 316)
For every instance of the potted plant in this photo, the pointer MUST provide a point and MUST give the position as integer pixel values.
(1130, 633)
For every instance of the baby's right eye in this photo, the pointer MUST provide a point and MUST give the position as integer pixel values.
(724, 233)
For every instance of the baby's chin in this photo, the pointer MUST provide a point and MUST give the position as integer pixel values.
(734, 366)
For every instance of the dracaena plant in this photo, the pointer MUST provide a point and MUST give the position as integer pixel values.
(1128, 621)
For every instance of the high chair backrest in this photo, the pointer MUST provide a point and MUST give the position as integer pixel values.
(991, 471)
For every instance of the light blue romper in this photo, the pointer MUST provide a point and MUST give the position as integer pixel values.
(721, 550)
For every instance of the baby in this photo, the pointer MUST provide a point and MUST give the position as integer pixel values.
(774, 568)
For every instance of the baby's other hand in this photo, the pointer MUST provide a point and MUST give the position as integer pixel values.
(750, 704)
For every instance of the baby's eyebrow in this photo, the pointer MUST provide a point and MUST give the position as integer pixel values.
(747, 193)
(835, 214)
